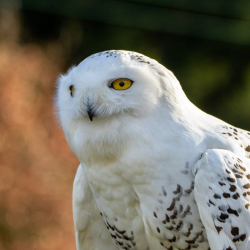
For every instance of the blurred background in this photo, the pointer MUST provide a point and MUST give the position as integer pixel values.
(205, 43)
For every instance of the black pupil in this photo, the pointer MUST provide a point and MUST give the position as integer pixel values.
(121, 84)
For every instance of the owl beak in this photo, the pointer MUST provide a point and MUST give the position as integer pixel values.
(90, 112)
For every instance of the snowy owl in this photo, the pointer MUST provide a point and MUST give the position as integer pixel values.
(155, 171)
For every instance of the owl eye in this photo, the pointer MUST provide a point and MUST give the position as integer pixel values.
(72, 90)
(121, 84)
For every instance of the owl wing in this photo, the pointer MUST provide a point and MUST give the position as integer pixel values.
(90, 230)
(222, 193)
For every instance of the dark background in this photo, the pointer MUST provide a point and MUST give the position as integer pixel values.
(205, 43)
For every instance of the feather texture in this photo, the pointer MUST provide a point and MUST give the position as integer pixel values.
(138, 148)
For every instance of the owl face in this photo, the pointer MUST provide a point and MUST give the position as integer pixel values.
(112, 97)
(107, 86)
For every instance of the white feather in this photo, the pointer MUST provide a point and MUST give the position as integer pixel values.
(137, 156)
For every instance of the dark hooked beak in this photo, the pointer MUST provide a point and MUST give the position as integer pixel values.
(90, 111)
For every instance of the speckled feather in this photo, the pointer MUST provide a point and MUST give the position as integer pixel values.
(156, 172)
(222, 193)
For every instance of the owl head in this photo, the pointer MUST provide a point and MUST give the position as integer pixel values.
(111, 95)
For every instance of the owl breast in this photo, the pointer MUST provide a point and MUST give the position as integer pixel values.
(156, 213)
(174, 218)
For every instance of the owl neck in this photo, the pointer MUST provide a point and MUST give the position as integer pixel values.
(104, 141)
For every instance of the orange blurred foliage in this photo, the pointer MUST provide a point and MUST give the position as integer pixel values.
(37, 167)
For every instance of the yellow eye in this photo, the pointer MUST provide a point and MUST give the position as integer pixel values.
(72, 90)
(121, 84)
